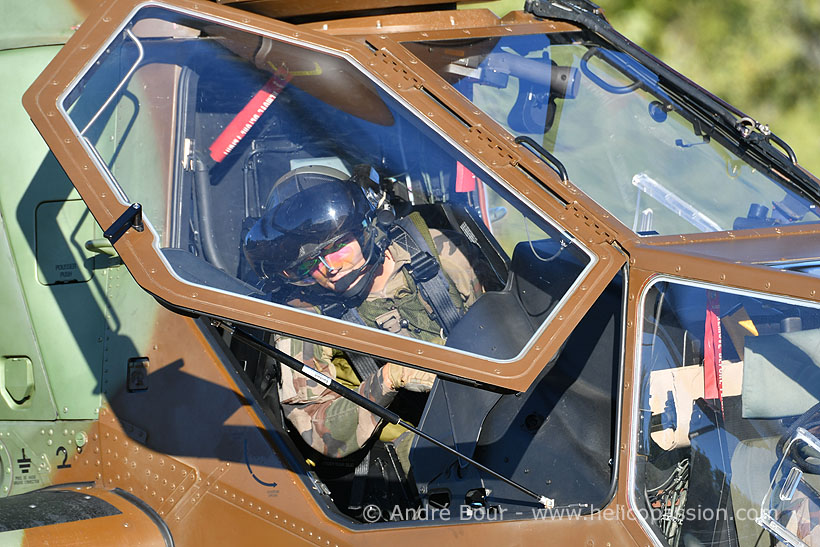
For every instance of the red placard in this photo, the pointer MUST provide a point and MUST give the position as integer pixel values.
(244, 121)
(713, 350)
(465, 179)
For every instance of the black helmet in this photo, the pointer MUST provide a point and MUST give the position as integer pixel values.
(308, 209)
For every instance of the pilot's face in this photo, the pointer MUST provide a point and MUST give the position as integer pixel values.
(338, 262)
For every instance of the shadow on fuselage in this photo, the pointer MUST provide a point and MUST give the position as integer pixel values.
(112, 320)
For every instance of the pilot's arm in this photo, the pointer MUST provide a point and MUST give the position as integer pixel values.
(459, 260)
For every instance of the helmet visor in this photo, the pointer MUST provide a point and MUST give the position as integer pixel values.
(301, 272)
(308, 211)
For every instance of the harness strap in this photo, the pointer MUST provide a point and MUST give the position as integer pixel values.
(427, 273)
(362, 364)
(359, 480)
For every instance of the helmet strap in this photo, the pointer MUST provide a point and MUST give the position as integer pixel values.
(375, 258)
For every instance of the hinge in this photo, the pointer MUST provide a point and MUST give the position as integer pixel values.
(588, 220)
(489, 147)
(394, 70)
(130, 218)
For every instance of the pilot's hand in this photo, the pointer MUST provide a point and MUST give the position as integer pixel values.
(408, 378)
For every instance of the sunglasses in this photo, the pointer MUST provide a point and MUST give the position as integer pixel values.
(305, 268)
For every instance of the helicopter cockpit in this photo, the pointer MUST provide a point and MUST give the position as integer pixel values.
(542, 159)
(197, 121)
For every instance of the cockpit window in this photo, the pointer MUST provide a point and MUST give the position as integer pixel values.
(728, 418)
(624, 139)
(283, 173)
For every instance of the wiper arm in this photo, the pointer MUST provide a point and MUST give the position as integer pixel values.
(588, 15)
(356, 398)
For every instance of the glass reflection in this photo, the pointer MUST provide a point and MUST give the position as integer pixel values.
(283, 173)
(726, 382)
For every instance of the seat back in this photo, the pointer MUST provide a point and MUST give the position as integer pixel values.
(540, 275)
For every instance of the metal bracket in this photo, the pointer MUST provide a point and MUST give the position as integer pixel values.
(565, 10)
(130, 218)
(752, 130)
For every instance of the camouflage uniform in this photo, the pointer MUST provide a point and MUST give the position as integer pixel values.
(335, 426)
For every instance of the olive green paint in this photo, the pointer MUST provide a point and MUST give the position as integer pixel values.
(66, 319)
(30, 453)
(73, 315)
(499, 7)
(24, 23)
(57, 222)
(17, 340)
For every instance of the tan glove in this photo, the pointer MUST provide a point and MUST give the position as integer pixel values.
(409, 378)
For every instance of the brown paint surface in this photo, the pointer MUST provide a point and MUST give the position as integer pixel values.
(131, 527)
(188, 461)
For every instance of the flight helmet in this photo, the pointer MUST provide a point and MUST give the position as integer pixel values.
(308, 211)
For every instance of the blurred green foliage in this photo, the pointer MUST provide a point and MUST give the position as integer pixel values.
(762, 56)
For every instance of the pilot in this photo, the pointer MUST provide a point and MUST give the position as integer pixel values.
(338, 246)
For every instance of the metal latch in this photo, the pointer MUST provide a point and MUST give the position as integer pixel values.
(130, 218)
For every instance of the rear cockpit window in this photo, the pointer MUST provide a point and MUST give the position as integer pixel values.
(285, 174)
(625, 139)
